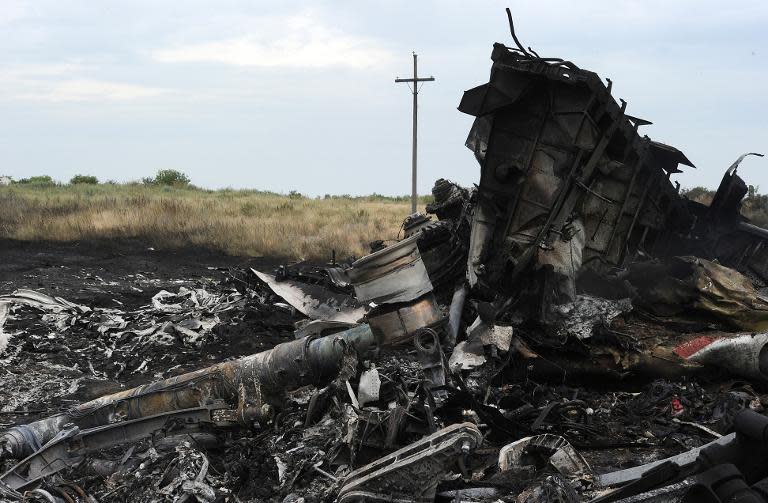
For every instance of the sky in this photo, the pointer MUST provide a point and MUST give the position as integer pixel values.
(301, 96)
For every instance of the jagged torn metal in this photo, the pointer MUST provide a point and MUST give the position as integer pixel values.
(314, 301)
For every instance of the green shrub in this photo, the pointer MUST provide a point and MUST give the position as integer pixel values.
(84, 179)
(168, 177)
(42, 180)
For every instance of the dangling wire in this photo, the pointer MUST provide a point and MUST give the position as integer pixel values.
(530, 52)
(514, 37)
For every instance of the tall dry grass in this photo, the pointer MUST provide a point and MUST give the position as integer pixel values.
(238, 222)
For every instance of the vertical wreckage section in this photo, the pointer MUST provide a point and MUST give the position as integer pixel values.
(566, 180)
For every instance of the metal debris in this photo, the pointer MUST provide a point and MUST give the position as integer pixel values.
(314, 301)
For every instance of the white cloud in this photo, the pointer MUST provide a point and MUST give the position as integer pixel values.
(61, 82)
(12, 10)
(296, 41)
(92, 90)
(37, 70)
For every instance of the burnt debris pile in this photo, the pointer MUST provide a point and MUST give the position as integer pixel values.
(570, 329)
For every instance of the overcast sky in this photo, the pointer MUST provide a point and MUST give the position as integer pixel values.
(301, 95)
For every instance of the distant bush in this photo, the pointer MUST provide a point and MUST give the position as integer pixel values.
(699, 194)
(754, 206)
(168, 177)
(295, 194)
(84, 179)
(42, 180)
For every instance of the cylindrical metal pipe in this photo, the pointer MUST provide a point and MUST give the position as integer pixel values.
(454, 313)
(248, 383)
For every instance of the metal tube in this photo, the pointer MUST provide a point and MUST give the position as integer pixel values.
(252, 384)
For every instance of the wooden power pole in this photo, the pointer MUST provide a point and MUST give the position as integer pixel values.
(415, 81)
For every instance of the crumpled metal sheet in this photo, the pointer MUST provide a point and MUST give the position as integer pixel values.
(560, 454)
(580, 317)
(677, 285)
(481, 333)
(314, 301)
(58, 311)
(189, 316)
(44, 302)
(463, 358)
(192, 299)
(470, 354)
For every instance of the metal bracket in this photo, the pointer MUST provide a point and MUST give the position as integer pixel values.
(413, 472)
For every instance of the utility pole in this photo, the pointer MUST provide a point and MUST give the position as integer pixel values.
(415, 81)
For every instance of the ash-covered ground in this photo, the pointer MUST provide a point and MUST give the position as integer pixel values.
(115, 278)
(215, 310)
(50, 364)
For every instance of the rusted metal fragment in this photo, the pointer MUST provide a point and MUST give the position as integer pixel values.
(397, 323)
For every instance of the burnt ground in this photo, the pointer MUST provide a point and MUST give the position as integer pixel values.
(73, 269)
(46, 369)
(122, 275)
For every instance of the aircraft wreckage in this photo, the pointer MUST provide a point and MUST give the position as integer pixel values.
(455, 364)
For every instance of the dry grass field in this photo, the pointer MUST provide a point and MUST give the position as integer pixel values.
(238, 222)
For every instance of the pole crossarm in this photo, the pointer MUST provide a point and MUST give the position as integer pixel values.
(420, 79)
